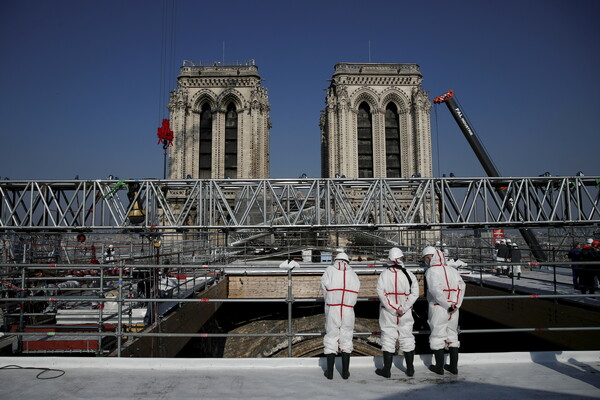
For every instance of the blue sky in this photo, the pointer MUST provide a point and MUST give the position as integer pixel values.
(81, 80)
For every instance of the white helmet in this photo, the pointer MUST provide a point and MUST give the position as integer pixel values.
(395, 254)
(508, 241)
(437, 244)
(342, 256)
(590, 241)
(429, 250)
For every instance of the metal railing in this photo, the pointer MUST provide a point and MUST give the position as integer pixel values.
(17, 291)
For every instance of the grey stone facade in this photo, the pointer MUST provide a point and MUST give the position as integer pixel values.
(376, 122)
(220, 120)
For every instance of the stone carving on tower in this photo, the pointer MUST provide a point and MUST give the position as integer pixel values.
(376, 125)
(376, 122)
(220, 121)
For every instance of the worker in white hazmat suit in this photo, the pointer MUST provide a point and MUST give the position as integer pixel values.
(398, 289)
(340, 286)
(445, 293)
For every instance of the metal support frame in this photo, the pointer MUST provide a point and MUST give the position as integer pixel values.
(262, 205)
(123, 298)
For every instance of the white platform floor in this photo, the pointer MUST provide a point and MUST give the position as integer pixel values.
(506, 376)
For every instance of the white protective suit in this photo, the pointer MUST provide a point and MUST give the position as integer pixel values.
(340, 286)
(396, 294)
(445, 288)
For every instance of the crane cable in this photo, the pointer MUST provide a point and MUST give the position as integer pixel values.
(437, 139)
(167, 53)
(167, 59)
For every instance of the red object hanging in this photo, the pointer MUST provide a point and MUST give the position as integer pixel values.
(165, 134)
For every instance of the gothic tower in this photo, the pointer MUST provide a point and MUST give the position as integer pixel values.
(376, 122)
(220, 121)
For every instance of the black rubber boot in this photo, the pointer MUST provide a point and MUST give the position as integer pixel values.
(387, 365)
(409, 357)
(453, 366)
(438, 367)
(330, 363)
(345, 365)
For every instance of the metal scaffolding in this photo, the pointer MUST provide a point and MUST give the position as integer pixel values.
(104, 322)
(270, 204)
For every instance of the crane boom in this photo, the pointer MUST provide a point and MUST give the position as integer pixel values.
(488, 166)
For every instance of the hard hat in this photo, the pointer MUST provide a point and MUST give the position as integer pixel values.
(444, 245)
(429, 250)
(342, 256)
(502, 241)
(110, 246)
(437, 243)
(508, 241)
(590, 241)
(395, 253)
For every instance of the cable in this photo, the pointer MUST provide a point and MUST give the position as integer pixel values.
(172, 64)
(167, 54)
(38, 376)
(437, 140)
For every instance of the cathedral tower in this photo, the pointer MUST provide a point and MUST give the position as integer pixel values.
(376, 122)
(220, 121)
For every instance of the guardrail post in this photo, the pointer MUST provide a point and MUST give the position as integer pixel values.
(290, 300)
(554, 269)
(120, 311)
(100, 310)
(23, 293)
(554, 275)
(481, 275)
(512, 279)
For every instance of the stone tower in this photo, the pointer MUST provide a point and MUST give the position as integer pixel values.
(376, 122)
(220, 121)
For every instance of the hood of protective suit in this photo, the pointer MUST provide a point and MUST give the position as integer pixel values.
(342, 265)
(438, 259)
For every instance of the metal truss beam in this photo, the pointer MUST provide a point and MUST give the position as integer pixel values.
(230, 205)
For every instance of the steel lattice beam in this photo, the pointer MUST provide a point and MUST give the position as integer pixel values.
(305, 203)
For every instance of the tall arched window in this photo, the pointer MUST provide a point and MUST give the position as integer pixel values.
(365, 141)
(231, 141)
(392, 141)
(205, 151)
